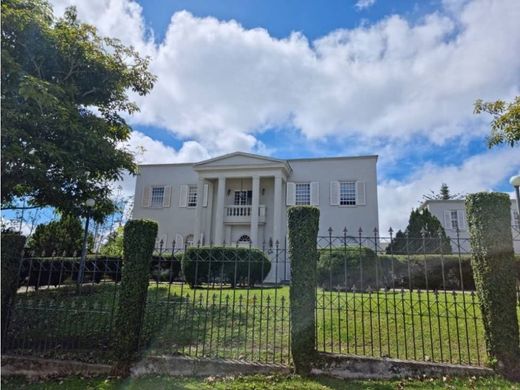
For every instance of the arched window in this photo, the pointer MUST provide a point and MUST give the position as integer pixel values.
(189, 240)
(244, 240)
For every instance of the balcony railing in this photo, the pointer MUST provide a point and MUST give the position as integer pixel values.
(242, 214)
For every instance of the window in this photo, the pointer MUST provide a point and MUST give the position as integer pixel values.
(192, 196)
(303, 193)
(157, 196)
(244, 240)
(243, 198)
(189, 240)
(347, 193)
(454, 219)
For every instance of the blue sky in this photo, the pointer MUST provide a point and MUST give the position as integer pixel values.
(308, 78)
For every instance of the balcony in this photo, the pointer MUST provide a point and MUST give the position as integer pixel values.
(242, 214)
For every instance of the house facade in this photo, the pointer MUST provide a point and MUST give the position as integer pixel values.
(243, 198)
(452, 215)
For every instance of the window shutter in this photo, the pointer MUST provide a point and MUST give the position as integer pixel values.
(315, 193)
(360, 193)
(291, 194)
(334, 193)
(147, 197)
(447, 219)
(205, 197)
(179, 241)
(167, 196)
(183, 197)
(461, 220)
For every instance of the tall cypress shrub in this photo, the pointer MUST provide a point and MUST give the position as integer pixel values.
(12, 248)
(303, 233)
(489, 220)
(138, 246)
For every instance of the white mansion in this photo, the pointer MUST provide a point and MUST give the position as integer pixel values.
(243, 198)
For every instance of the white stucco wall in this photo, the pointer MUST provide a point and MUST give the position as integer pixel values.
(175, 220)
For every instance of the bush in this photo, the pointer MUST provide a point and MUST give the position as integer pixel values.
(339, 269)
(138, 244)
(489, 220)
(303, 233)
(166, 268)
(348, 268)
(236, 266)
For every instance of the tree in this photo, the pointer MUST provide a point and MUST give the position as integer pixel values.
(505, 126)
(114, 244)
(444, 194)
(424, 234)
(64, 90)
(61, 238)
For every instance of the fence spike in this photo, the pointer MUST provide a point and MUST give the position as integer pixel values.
(390, 230)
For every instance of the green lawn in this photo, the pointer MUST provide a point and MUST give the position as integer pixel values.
(253, 323)
(254, 382)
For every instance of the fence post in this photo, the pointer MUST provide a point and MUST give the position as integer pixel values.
(489, 220)
(303, 252)
(138, 246)
(12, 249)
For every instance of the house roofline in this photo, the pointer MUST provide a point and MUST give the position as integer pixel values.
(282, 161)
(371, 156)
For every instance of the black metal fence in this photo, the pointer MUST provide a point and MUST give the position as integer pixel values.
(403, 297)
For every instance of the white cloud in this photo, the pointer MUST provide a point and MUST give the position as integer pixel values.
(363, 4)
(481, 172)
(220, 84)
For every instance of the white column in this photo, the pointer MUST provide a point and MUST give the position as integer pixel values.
(198, 211)
(254, 210)
(277, 209)
(219, 214)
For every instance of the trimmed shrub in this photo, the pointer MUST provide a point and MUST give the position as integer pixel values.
(348, 268)
(12, 248)
(166, 268)
(489, 220)
(138, 244)
(303, 233)
(236, 266)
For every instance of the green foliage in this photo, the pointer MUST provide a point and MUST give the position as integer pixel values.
(114, 244)
(348, 268)
(138, 244)
(424, 234)
(505, 126)
(236, 266)
(64, 94)
(59, 238)
(12, 247)
(303, 233)
(489, 220)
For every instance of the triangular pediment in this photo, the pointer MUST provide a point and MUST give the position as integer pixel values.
(239, 159)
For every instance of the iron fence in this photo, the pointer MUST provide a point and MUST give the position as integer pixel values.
(407, 297)
(402, 297)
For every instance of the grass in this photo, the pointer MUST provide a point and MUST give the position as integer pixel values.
(251, 324)
(257, 382)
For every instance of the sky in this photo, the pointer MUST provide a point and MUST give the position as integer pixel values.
(300, 78)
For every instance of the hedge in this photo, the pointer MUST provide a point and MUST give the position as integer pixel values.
(53, 271)
(138, 245)
(12, 248)
(303, 233)
(489, 221)
(236, 266)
